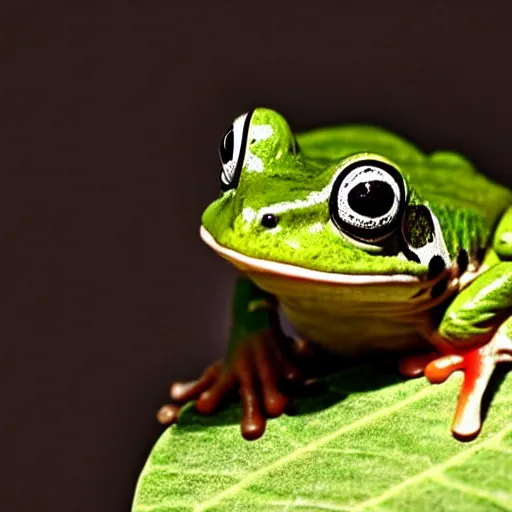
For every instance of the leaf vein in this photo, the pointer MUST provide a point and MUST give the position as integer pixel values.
(502, 449)
(398, 456)
(191, 471)
(244, 482)
(434, 470)
(148, 508)
(299, 503)
(466, 489)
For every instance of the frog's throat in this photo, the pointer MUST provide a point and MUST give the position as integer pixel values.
(248, 263)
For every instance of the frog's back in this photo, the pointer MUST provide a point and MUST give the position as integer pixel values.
(337, 142)
(446, 180)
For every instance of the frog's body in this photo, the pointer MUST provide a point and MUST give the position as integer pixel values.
(350, 311)
(351, 316)
(360, 236)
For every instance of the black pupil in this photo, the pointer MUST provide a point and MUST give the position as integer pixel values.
(227, 145)
(371, 198)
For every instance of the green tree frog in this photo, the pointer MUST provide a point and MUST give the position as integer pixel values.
(368, 246)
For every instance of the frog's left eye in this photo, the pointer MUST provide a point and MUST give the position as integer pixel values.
(367, 200)
(232, 151)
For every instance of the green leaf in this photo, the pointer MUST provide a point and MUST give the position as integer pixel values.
(370, 442)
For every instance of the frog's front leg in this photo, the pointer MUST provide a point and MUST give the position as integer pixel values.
(257, 363)
(474, 335)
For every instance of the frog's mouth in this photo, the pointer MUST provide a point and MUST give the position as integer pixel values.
(356, 294)
(257, 265)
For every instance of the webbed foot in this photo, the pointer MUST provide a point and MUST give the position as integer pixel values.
(258, 368)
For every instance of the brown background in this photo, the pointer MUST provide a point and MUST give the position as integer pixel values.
(111, 117)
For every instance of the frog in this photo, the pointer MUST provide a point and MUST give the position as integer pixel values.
(370, 248)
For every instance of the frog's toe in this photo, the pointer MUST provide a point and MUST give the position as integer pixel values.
(168, 414)
(439, 369)
(253, 420)
(270, 374)
(209, 400)
(477, 368)
(414, 365)
(208, 391)
(185, 391)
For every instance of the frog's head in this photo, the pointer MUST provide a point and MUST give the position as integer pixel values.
(302, 206)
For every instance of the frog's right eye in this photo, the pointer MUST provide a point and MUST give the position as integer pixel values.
(232, 151)
(368, 199)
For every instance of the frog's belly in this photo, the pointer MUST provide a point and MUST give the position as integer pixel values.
(350, 319)
(356, 333)
(346, 313)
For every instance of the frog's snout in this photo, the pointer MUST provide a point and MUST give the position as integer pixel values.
(269, 220)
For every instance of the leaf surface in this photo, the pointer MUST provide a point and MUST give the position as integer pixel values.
(370, 442)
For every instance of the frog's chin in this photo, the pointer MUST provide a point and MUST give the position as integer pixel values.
(257, 265)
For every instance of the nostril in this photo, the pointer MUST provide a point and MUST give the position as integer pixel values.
(269, 220)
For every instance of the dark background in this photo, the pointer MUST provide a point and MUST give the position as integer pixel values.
(111, 116)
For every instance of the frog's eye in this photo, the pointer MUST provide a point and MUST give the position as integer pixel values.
(232, 151)
(367, 200)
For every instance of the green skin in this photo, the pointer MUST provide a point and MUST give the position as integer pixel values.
(468, 205)
(474, 215)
